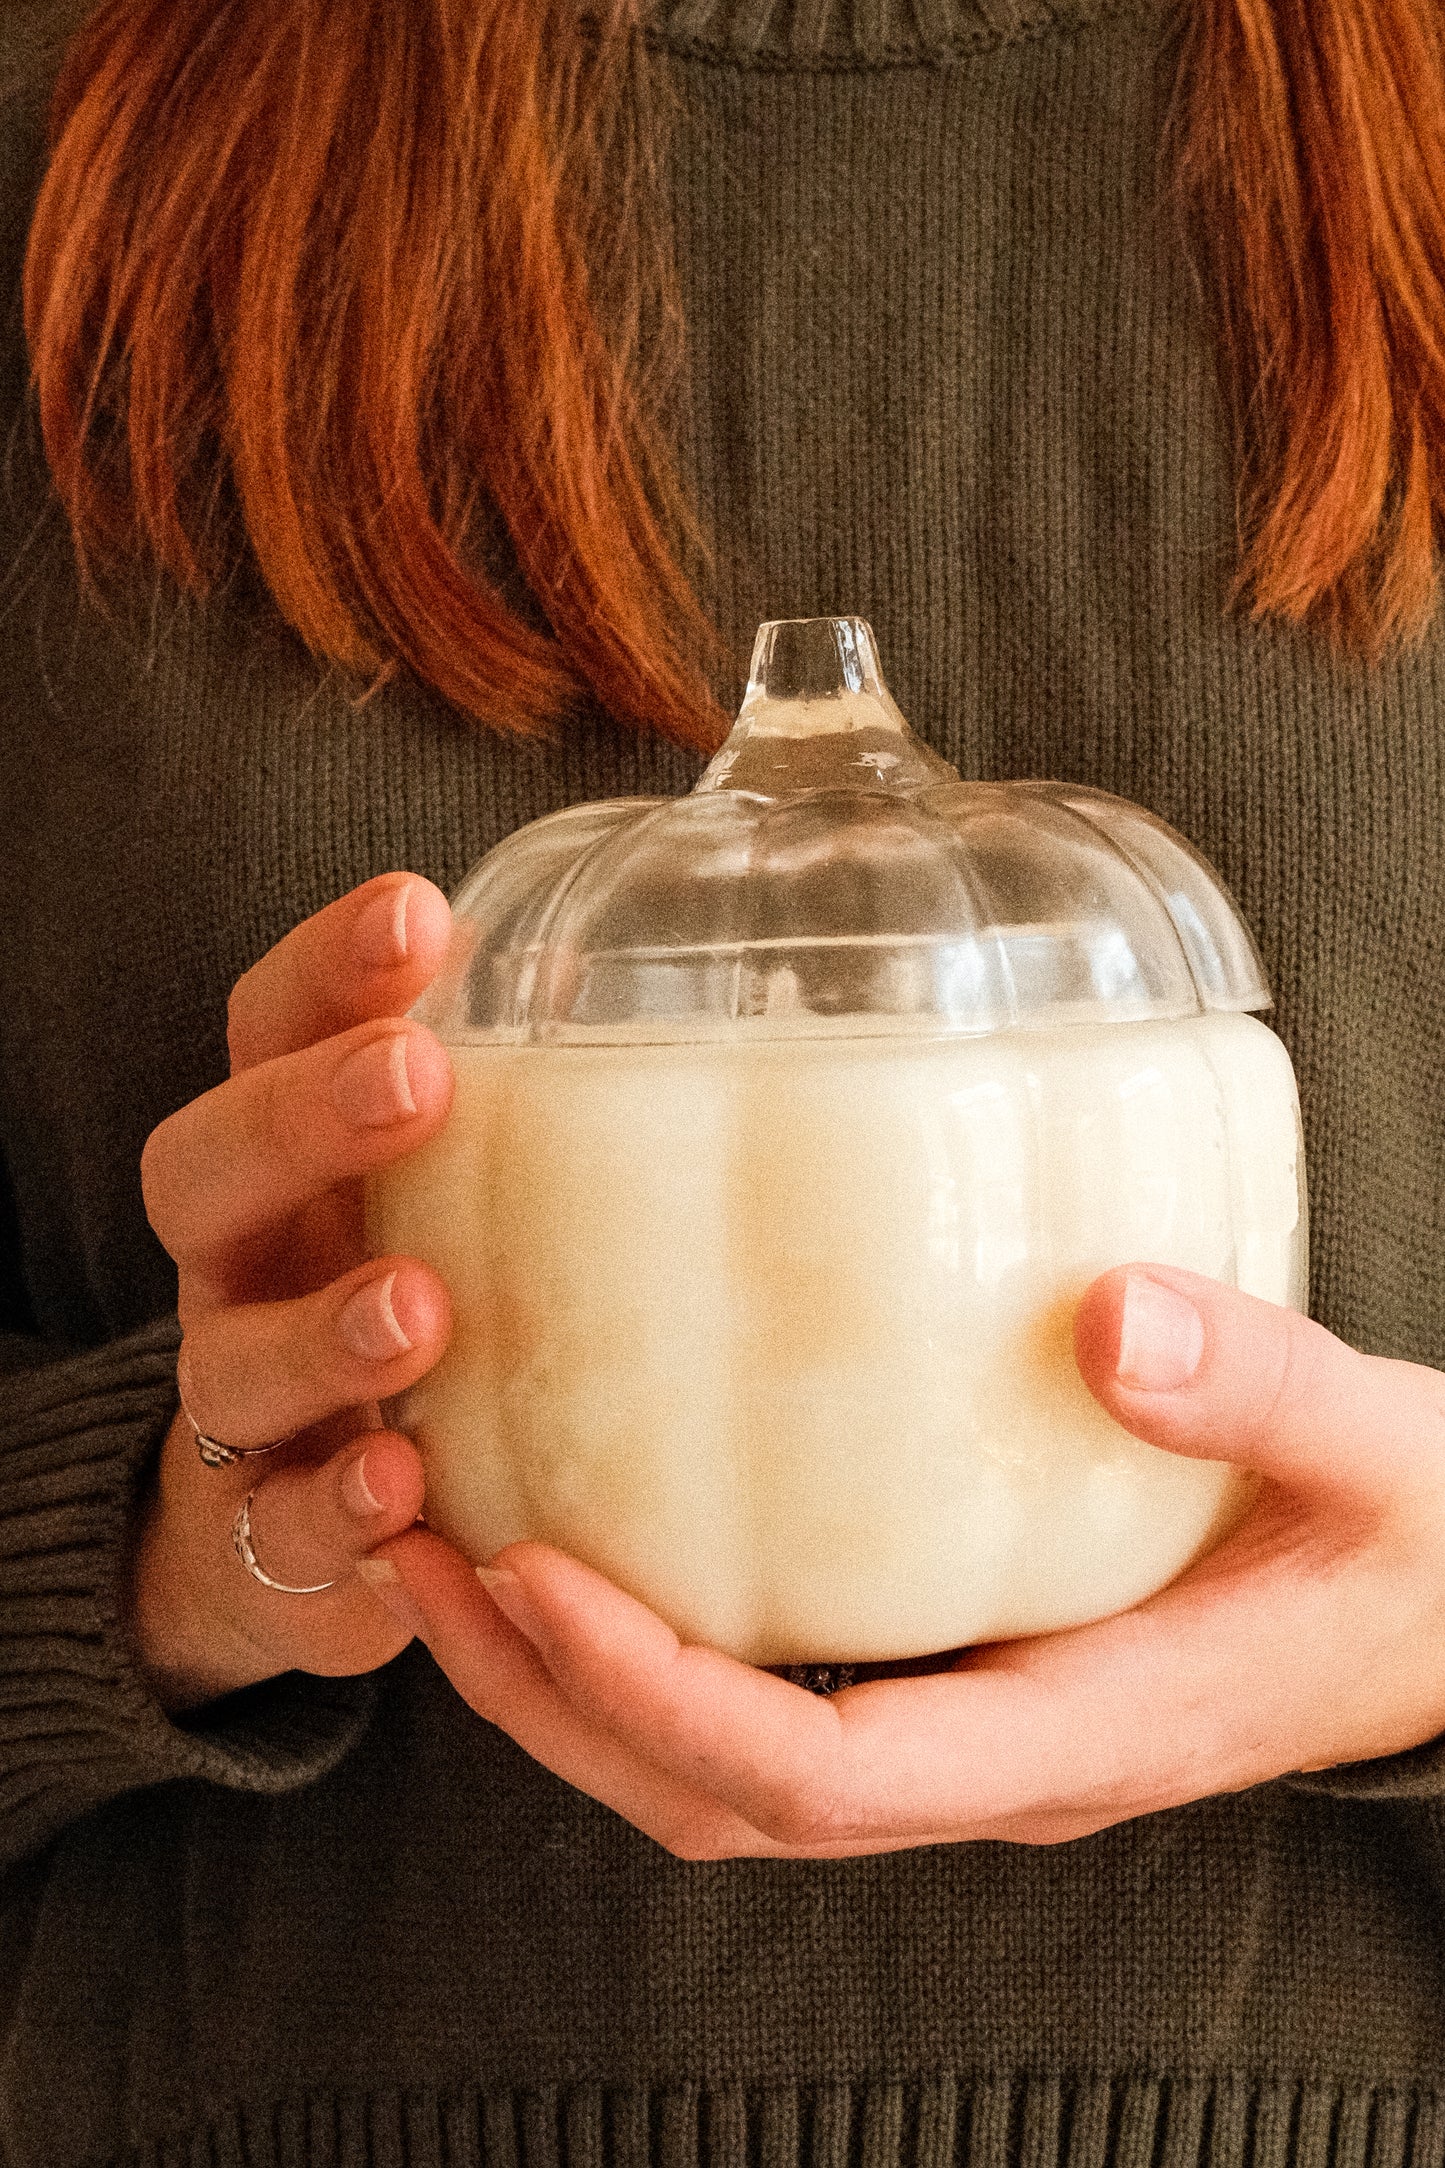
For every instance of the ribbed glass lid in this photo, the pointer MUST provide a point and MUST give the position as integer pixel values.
(830, 874)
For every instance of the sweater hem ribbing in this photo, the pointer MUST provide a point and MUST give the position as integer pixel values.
(1028, 2118)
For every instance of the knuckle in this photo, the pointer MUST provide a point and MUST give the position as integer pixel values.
(797, 1814)
(196, 1377)
(157, 1188)
(273, 1118)
(694, 1841)
(240, 1013)
(289, 997)
(1288, 1373)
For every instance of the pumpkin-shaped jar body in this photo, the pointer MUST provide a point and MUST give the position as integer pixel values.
(792, 1118)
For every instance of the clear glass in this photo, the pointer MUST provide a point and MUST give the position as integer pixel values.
(829, 870)
(792, 1118)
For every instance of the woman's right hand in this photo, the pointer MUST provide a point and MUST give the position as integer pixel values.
(255, 1190)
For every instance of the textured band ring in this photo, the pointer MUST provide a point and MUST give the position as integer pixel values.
(215, 1454)
(245, 1550)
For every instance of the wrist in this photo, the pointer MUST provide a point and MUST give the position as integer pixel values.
(177, 1630)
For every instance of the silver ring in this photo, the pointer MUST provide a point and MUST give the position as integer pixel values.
(217, 1455)
(245, 1550)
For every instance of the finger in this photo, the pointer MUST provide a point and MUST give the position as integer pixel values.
(256, 1372)
(1198, 1368)
(752, 1741)
(498, 1673)
(368, 954)
(1049, 1739)
(312, 1525)
(1034, 1741)
(244, 1155)
(632, 1768)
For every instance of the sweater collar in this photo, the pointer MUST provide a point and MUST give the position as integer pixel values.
(863, 33)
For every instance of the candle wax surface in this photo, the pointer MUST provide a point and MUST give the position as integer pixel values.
(777, 1334)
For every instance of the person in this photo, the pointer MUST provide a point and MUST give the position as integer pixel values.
(354, 513)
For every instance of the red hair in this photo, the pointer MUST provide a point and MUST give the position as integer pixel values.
(1310, 140)
(347, 275)
(359, 286)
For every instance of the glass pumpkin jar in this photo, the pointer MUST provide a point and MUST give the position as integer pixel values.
(792, 1118)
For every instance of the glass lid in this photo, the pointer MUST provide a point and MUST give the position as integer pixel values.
(829, 874)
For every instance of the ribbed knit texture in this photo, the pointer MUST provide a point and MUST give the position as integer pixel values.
(947, 368)
(77, 1724)
(1043, 2120)
(867, 33)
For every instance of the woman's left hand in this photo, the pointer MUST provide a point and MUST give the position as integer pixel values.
(1315, 1634)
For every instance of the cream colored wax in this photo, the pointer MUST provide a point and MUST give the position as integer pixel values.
(778, 1334)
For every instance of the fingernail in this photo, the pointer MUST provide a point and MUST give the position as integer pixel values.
(356, 1492)
(368, 1325)
(1161, 1337)
(372, 1088)
(381, 1577)
(378, 937)
(512, 1600)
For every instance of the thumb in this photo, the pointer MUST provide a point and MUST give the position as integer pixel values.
(1198, 1368)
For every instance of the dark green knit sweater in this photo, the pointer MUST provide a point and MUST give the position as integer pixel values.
(948, 369)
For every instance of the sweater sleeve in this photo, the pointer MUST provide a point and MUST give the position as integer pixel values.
(78, 1724)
